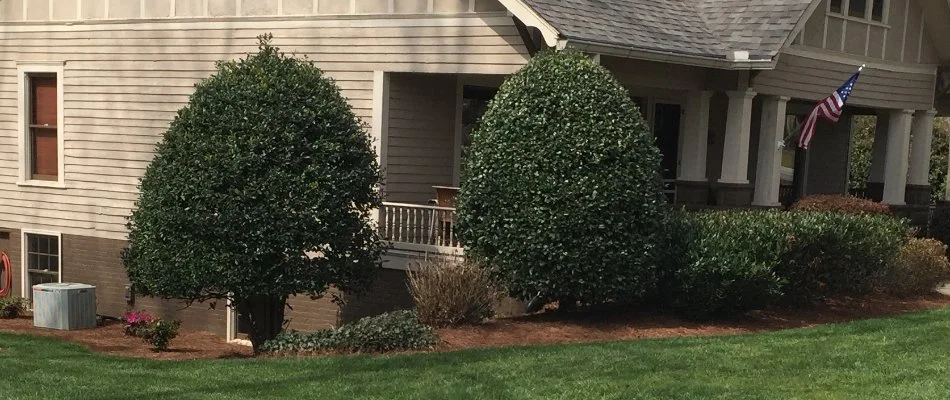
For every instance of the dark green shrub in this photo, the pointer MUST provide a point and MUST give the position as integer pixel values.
(159, 333)
(835, 253)
(451, 292)
(395, 331)
(737, 261)
(12, 307)
(263, 187)
(920, 267)
(728, 266)
(561, 192)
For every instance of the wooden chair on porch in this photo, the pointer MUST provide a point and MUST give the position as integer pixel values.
(445, 197)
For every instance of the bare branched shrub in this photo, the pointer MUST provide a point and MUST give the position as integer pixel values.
(452, 292)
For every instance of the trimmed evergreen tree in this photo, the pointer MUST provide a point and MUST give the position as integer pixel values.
(262, 188)
(561, 193)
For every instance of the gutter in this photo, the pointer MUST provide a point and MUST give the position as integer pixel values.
(737, 63)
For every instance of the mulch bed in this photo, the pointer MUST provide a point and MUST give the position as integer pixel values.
(546, 328)
(110, 339)
(593, 327)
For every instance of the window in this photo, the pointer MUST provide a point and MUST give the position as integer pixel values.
(857, 8)
(877, 10)
(835, 6)
(872, 10)
(41, 129)
(44, 158)
(41, 260)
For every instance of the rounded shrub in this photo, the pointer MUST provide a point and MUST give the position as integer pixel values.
(920, 267)
(262, 188)
(561, 193)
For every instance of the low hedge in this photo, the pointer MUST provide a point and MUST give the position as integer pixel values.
(840, 203)
(735, 261)
(394, 331)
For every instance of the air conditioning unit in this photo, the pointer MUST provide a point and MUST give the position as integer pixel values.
(64, 306)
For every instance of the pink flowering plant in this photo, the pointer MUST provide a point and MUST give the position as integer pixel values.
(136, 323)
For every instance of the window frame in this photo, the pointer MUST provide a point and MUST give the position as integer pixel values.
(24, 71)
(868, 17)
(27, 289)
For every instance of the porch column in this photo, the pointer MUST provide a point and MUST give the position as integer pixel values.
(918, 176)
(895, 165)
(875, 184)
(733, 186)
(692, 186)
(380, 128)
(768, 171)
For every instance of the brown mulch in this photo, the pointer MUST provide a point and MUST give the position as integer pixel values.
(593, 327)
(110, 339)
(545, 328)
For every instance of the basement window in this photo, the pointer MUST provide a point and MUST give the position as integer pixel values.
(41, 260)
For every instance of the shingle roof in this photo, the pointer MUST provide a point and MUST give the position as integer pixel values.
(704, 28)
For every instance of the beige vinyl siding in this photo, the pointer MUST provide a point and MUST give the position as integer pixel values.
(421, 136)
(900, 39)
(124, 83)
(13, 10)
(814, 78)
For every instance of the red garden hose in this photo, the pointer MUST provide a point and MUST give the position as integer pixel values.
(7, 273)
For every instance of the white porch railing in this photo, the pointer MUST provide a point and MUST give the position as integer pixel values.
(419, 227)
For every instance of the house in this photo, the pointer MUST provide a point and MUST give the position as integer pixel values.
(87, 87)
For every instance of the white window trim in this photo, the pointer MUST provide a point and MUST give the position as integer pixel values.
(846, 10)
(23, 112)
(27, 291)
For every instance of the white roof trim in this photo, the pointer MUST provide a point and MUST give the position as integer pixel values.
(531, 18)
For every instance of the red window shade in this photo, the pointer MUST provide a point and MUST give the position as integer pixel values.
(44, 144)
(45, 154)
(43, 104)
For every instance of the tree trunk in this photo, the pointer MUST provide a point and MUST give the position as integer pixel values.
(264, 316)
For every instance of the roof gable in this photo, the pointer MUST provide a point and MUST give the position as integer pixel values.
(710, 29)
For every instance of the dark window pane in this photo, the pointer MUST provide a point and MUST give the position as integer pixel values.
(836, 6)
(877, 12)
(31, 261)
(54, 263)
(858, 8)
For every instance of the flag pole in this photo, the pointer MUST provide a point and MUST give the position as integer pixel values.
(798, 130)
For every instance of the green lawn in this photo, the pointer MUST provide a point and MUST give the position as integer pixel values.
(897, 358)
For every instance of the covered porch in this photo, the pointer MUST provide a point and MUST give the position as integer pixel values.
(721, 135)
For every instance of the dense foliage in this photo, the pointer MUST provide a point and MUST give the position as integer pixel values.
(839, 203)
(729, 265)
(741, 260)
(12, 307)
(920, 267)
(863, 143)
(448, 292)
(262, 188)
(561, 194)
(395, 331)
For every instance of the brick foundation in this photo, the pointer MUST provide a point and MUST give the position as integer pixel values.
(98, 262)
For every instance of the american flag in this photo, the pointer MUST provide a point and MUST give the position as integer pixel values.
(830, 108)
